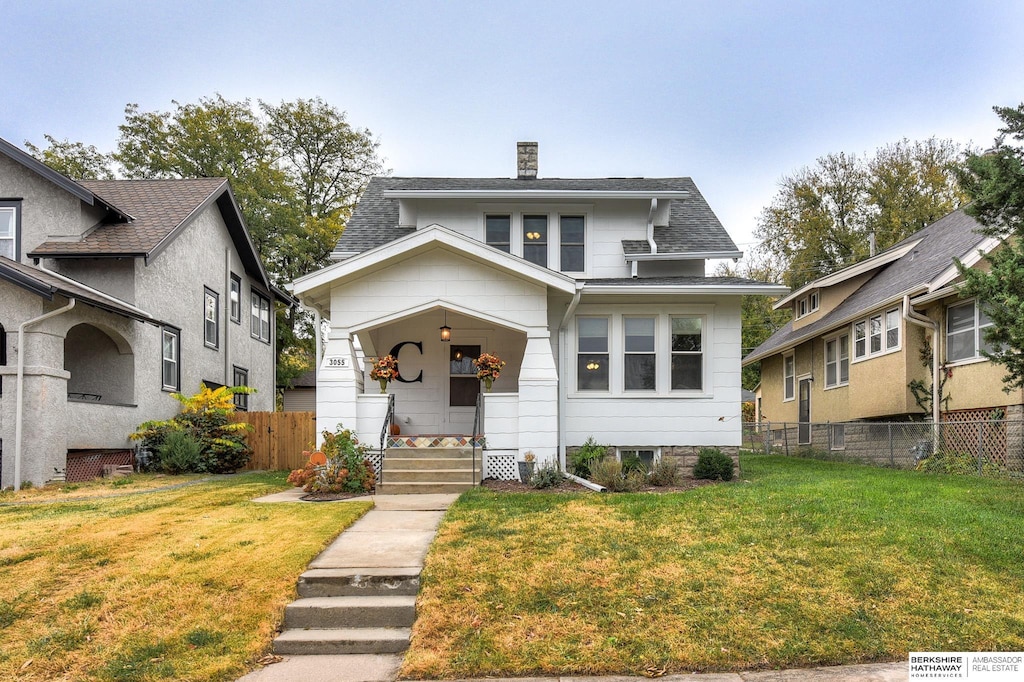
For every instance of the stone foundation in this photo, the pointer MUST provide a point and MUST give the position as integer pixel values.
(685, 455)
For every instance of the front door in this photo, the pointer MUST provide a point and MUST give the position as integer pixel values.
(804, 430)
(463, 388)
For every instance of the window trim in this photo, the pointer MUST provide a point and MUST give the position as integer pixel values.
(241, 400)
(257, 299)
(789, 391)
(498, 245)
(977, 329)
(554, 213)
(209, 293)
(607, 355)
(547, 237)
(14, 205)
(883, 340)
(175, 333)
(235, 299)
(654, 352)
(562, 244)
(701, 354)
(837, 339)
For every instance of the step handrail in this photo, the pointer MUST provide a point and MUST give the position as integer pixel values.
(389, 418)
(478, 419)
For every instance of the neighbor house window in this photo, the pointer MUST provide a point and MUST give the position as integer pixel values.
(10, 219)
(571, 236)
(640, 361)
(240, 377)
(535, 239)
(837, 439)
(592, 354)
(171, 344)
(965, 331)
(687, 353)
(812, 301)
(259, 318)
(235, 298)
(788, 377)
(837, 361)
(498, 232)
(211, 314)
(877, 334)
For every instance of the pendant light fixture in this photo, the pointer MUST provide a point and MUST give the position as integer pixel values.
(446, 331)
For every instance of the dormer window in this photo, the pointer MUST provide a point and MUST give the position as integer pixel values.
(9, 219)
(812, 301)
(807, 305)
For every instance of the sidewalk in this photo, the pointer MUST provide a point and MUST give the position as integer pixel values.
(397, 533)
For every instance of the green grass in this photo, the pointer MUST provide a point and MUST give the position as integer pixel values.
(182, 584)
(800, 563)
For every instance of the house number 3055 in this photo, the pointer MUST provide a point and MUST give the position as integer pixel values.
(337, 362)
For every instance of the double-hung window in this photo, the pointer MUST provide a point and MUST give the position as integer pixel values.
(788, 377)
(235, 298)
(571, 235)
(259, 318)
(640, 362)
(837, 361)
(965, 331)
(211, 315)
(498, 232)
(592, 354)
(687, 353)
(877, 334)
(10, 219)
(535, 239)
(240, 377)
(171, 368)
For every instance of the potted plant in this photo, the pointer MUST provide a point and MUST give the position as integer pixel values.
(385, 369)
(526, 466)
(488, 369)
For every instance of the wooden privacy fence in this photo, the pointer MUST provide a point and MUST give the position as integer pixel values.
(277, 439)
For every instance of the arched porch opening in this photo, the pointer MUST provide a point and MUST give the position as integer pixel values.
(101, 364)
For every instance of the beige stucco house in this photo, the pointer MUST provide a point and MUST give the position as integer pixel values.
(855, 342)
(113, 295)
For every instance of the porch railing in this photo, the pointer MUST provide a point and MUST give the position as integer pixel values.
(478, 422)
(385, 431)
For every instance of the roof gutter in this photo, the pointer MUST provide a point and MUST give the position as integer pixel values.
(684, 255)
(914, 317)
(20, 389)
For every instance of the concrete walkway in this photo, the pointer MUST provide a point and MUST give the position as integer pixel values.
(397, 533)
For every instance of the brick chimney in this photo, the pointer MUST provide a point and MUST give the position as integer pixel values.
(527, 160)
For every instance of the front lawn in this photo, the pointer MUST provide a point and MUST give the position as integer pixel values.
(181, 584)
(801, 563)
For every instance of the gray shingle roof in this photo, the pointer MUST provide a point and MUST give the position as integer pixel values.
(693, 226)
(952, 236)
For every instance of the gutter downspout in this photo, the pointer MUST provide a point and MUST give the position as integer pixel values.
(19, 391)
(563, 360)
(650, 226)
(920, 320)
(229, 378)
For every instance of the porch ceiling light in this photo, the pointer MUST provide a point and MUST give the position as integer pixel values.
(446, 331)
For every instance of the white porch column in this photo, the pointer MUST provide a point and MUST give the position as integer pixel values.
(339, 381)
(538, 398)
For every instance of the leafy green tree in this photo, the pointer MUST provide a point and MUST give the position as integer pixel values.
(74, 159)
(995, 182)
(821, 218)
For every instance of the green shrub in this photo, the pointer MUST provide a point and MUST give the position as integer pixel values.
(610, 474)
(546, 476)
(944, 462)
(714, 465)
(666, 472)
(348, 470)
(631, 463)
(581, 461)
(179, 453)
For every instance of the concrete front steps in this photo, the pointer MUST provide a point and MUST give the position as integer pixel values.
(412, 470)
(350, 611)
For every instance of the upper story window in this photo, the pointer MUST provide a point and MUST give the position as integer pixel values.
(10, 229)
(592, 354)
(235, 298)
(965, 331)
(877, 335)
(259, 317)
(640, 360)
(499, 232)
(211, 314)
(572, 233)
(788, 377)
(837, 361)
(808, 304)
(535, 239)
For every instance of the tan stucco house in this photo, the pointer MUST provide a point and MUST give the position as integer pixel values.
(113, 295)
(855, 342)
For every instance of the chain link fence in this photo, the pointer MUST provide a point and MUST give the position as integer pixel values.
(984, 447)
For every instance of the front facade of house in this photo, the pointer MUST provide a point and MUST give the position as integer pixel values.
(591, 290)
(855, 344)
(124, 291)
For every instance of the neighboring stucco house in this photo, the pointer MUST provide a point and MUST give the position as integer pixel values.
(115, 294)
(592, 290)
(855, 341)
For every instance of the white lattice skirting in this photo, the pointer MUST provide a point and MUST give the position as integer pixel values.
(501, 467)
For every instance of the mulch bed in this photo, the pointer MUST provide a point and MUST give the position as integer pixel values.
(567, 486)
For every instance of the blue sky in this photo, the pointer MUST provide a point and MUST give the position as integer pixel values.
(734, 94)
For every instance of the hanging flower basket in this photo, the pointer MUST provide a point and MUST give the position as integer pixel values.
(385, 370)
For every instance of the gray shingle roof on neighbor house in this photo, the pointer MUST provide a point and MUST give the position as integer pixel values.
(693, 226)
(952, 236)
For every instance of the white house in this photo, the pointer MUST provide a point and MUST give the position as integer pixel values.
(592, 290)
